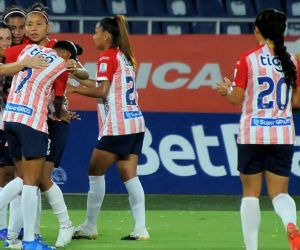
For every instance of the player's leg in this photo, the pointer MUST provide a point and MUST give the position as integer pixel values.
(277, 179)
(250, 209)
(99, 163)
(56, 200)
(136, 196)
(251, 167)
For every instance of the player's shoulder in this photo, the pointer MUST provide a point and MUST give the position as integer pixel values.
(251, 51)
(108, 54)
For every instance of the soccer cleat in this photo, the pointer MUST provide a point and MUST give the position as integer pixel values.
(138, 234)
(85, 232)
(13, 244)
(293, 236)
(64, 236)
(3, 234)
(36, 245)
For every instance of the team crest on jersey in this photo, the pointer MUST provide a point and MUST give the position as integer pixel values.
(103, 67)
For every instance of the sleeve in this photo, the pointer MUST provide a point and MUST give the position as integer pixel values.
(241, 73)
(106, 67)
(60, 84)
(12, 53)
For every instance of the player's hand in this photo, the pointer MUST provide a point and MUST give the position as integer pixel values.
(223, 87)
(68, 116)
(72, 65)
(35, 62)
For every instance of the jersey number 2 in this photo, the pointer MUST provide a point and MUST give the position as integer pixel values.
(130, 94)
(282, 91)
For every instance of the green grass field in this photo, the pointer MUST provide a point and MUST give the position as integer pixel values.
(174, 222)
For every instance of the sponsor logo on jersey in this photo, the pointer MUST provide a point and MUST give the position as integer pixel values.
(103, 67)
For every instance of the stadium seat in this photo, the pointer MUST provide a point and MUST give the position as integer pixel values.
(176, 28)
(180, 8)
(124, 7)
(91, 8)
(203, 28)
(242, 8)
(6, 3)
(89, 26)
(267, 4)
(148, 8)
(211, 8)
(60, 26)
(293, 29)
(142, 28)
(292, 8)
(235, 28)
(62, 7)
(29, 3)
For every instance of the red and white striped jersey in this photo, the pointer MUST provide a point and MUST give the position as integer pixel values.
(119, 114)
(267, 113)
(30, 92)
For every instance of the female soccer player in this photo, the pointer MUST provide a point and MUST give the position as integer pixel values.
(6, 163)
(265, 81)
(14, 17)
(58, 134)
(121, 125)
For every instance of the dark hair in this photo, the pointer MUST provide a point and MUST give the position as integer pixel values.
(117, 26)
(39, 8)
(74, 49)
(3, 25)
(271, 24)
(13, 11)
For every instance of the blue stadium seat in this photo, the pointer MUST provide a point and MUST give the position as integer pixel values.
(142, 28)
(124, 7)
(292, 8)
(91, 7)
(6, 3)
(242, 8)
(29, 3)
(62, 7)
(89, 26)
(267, 4)
(176, 28)
(60, 26)
(149, 8)
(235, 28)
(180, 7)
(203, 28)
(210, 8)
(293, 29)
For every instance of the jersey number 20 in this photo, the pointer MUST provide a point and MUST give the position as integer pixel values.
(282, 91)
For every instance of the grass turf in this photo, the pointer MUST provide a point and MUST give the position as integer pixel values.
(174, 222)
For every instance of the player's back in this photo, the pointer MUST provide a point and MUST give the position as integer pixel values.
(30, 91)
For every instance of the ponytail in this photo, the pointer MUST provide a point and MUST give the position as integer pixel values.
(288, 66)
(123, 41)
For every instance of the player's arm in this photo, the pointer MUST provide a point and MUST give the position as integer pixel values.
(96, 92)
(90, 83)
(59, 87)
(296, 91)
(77, 69)
(234, 94)
(31, 62)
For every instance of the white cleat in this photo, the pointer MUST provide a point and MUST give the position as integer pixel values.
(13, 244)
(85, 232)
(64, 236)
